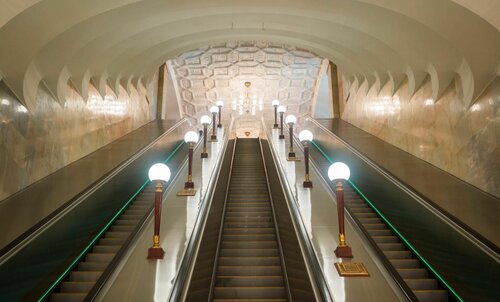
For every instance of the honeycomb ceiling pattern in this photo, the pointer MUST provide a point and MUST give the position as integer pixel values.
(219, 72)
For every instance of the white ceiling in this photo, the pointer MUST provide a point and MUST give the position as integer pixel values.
(219, 72)
(123, 42)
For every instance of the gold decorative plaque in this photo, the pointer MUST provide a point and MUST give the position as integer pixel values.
(187, 192)
(351, 269)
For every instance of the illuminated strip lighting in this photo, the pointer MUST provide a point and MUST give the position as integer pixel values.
(72, 265)
(414, 250)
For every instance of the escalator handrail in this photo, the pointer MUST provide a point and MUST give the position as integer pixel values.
(399, 280)
(80, 256)
(282, 257)
(316, 274)
(182, 278)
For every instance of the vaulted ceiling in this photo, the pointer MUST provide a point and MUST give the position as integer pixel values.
(123, 42)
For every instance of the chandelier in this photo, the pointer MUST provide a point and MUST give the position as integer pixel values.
(248, 102)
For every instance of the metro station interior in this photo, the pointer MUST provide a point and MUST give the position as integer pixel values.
(330, 150)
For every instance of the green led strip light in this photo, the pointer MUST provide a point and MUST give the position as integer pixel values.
(414, 250)
(72, 265)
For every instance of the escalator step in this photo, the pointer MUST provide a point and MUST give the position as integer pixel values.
(398, 254)
(87, 276)
(366, 215)
(405, 263)
(246, 261)
(385, 232)
(413, 273)
(122, 228)
(249, 214)
(267, 292)
(67, 297)
(106, 248)
(385, 239)
(248, 244)
(111, 241)
(117, 234)
(249, 237)
(269, 252)
(99, 257)
(271, 270)
(76, 287)
(92, 266)
(249, 281)
(391, 246)
(249, 230)
(431, 295)
(264, 223)
(133, 222)
(421, 284)
(374, 226)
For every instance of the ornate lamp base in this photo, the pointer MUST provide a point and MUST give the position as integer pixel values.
(204, 155)
(188, 189)
(308, 184)
(292, 157)
(343, 252)
(155, 253)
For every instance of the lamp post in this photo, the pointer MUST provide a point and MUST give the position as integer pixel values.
(275, 104)
(290, 120)
(281, 110)
(306, 136)
(219, 104)
(158, 173)
(190, 138)
(214, 110)
(205, 121)
(338, 173)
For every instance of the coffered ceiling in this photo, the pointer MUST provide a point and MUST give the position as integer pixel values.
(220, 71)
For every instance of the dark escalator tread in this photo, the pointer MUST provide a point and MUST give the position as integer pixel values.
(249, 263)
(417, 278)
(68, 297)
(81, 280)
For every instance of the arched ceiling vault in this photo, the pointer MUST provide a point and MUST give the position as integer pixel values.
(122, 42)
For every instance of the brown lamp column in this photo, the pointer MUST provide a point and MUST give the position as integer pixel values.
(339, 172)
(214, 111)
(205, 121)
(306, 136)
(291, 120)
(281, 110)
(158, 173)
(275, 104)
(219, 104)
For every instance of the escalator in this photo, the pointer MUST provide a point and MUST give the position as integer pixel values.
(249, 262)
(242, 256)
(85, 275)
(418, 278)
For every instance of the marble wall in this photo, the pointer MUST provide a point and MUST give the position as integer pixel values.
(459, 138)
(35, 144)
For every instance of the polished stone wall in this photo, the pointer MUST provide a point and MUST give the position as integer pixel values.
(459, 138)
(35, 144)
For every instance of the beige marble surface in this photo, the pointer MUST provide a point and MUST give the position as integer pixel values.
(462, 140)
(35, 144)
